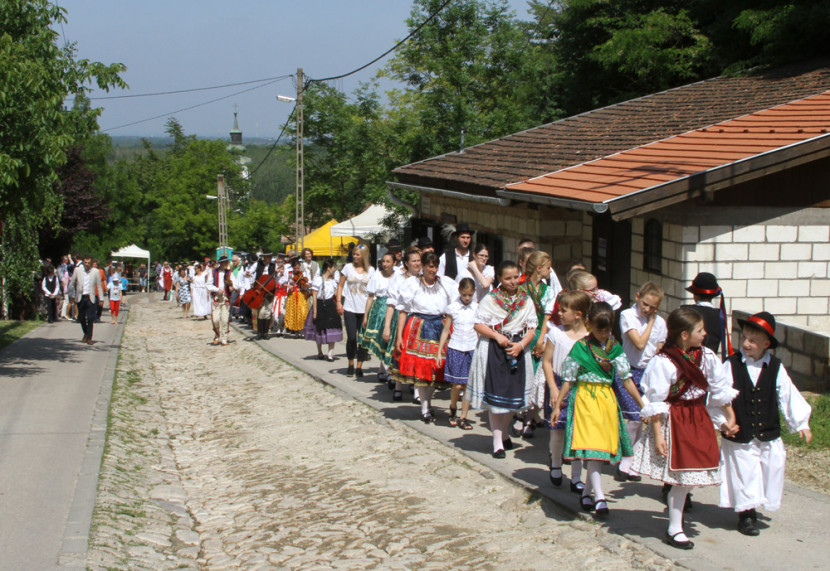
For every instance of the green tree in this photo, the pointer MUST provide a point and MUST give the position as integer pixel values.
(36, 76)
(262, 224)
(462, 71)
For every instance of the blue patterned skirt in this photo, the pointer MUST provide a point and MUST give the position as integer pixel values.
(457, 366)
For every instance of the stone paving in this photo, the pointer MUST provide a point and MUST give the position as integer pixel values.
(226, 457)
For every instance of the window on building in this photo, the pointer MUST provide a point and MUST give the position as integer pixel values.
(653, 247)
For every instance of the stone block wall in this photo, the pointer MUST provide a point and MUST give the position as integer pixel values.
(555, 230)
(778, 265)
(804, 352)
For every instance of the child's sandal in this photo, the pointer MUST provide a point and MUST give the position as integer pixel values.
(464, 424)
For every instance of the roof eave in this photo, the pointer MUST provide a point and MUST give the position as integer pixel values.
(718, 178)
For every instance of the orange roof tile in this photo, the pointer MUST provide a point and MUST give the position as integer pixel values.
(687, 154)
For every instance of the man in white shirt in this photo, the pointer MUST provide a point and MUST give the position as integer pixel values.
(87, 283)
(454, 262)
(220, 284)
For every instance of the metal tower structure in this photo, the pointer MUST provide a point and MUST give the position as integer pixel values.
(222, 195)
(299, 202)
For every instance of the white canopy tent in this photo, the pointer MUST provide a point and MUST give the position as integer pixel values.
(132, 251)
(365, 225)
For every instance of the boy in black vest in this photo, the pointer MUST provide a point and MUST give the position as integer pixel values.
(704, 289)
(753, 459)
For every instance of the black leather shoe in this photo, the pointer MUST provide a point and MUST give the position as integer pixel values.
(746, 525)
(358, 372)
(350, 371)
(601, 508)
(508, 444)
(556, 480)
(499, 454)
(587, 503)
(670, 539)
(577, 487)
(620, 476)
(397, 396)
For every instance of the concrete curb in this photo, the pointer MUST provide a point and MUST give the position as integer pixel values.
(75, 544)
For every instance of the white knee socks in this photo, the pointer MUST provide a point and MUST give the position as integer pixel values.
(677, 499)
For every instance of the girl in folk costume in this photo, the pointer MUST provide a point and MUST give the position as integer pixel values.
(324, 325)
(501, 375)
(351, 304)
(559, 340)
(411, 268)
(538, 271)
(595, 432)
(283, 276)
(296, 306)
(681, 448)
(371, 335)
(460, 318)
(183, 291)
(424, 302)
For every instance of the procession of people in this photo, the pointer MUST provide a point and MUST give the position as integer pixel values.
(512, 341)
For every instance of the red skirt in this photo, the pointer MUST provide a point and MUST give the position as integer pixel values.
(694, 444)
(417, 364)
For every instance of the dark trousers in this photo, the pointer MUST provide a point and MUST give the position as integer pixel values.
(51, 309)
(353, 323)
(87, 314)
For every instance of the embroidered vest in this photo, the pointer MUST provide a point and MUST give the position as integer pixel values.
(227, 280)
(756, 407)
(451, 266)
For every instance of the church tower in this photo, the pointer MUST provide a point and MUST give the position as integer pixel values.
(236, 147)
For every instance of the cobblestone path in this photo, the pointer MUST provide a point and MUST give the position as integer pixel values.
(225, 457)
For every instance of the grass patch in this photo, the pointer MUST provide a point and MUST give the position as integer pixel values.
(819, 426)
(11, 331)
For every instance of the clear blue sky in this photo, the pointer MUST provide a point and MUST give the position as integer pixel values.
(182, 44)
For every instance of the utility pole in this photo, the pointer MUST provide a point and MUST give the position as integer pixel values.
(300, 197)
(222, 195)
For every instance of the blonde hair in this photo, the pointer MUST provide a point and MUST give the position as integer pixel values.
(365, 256)
(578, 280)
(534, 260)
(651, 288)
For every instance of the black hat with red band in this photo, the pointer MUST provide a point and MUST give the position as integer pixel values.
(705, 284)
(763, 321)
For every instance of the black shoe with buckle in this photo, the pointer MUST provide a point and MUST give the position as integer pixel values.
(499, 454)
(577, 487)
(556, 480)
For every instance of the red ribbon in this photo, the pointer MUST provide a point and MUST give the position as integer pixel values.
(763, 325)
(705, 291)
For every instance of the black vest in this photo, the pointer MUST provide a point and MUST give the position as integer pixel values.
(451, 265)
(756, 408)
(711, 321)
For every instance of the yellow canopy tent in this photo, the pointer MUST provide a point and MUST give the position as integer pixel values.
(323, 243)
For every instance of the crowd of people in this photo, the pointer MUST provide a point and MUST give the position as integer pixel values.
(76, 289)
(512, 341)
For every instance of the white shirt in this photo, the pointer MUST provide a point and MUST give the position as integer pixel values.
(562, 345)
(354, 288)
(461, 261)
(393, 290)
(661, 374)
(379, 284)
(632, 319)
(115, 291)
(325, 290)
(417, 297)
(464, 336)
(795, 410)
(487, 272)
(87, 279)
(219, 287)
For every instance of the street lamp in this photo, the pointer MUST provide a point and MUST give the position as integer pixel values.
(299, 197)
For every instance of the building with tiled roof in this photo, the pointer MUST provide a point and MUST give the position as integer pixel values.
(729, 175)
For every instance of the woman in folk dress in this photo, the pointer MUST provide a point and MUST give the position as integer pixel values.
(424, 301)
(199, 292)
(501, 375)
(371, 335)
(411, 267)
(296, 306)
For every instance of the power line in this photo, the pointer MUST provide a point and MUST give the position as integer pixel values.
(277, 142)
(271, 79)
(191, 107)
(389, 51)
